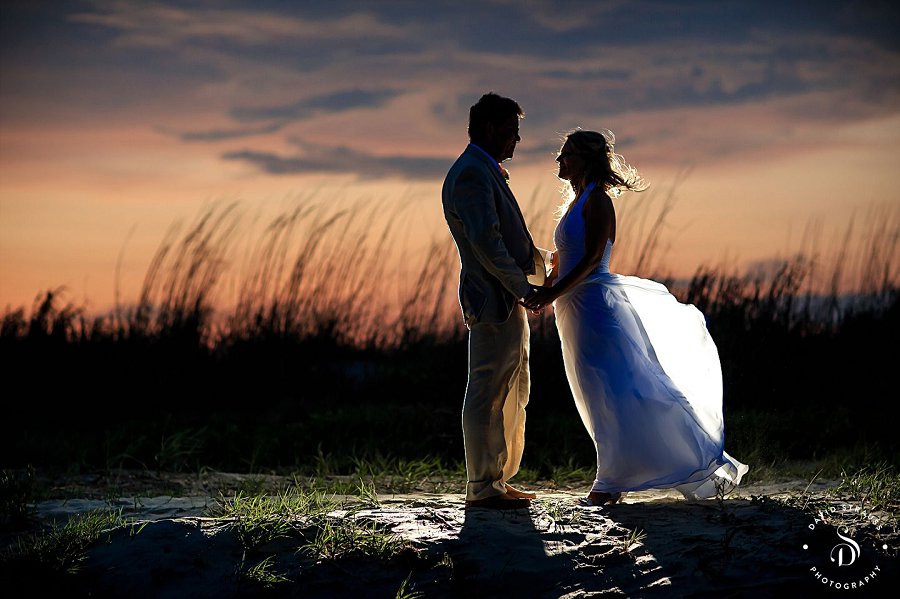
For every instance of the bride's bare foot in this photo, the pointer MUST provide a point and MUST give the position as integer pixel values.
(599, 498)
(514, 492)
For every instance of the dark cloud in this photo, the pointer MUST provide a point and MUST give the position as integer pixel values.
(224, 134)
(328, 103)
(319, 159)
(568, 63)
(545, 151)
(583, 74)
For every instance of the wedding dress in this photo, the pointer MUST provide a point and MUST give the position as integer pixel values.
(645, 375)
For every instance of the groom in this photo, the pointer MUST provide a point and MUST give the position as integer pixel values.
(497, 255)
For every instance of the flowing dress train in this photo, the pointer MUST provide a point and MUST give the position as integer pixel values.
(645, 375)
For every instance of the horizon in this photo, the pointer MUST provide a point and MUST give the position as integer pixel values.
(776, 126)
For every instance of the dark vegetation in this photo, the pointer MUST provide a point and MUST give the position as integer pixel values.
(308, 366)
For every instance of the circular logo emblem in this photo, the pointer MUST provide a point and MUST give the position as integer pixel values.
(837, 561)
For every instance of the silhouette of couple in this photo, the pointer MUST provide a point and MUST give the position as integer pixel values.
(642, 367)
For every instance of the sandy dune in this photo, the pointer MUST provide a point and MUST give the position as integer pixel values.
(747, 545)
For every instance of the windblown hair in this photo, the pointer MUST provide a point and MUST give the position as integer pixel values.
(491, 108)
(603, 166)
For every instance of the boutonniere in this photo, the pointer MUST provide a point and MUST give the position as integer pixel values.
(505, 173)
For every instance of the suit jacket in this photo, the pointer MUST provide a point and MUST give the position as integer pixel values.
(496, 252)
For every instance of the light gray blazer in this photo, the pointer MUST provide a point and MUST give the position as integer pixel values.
(496, 252)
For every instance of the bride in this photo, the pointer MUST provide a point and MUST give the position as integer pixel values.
(642, 367)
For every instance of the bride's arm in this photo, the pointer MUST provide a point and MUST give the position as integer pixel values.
(598, 218)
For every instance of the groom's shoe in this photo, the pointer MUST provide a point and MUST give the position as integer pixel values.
(514, 492)
(499, 502)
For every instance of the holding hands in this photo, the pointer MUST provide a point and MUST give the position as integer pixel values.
(539, 298)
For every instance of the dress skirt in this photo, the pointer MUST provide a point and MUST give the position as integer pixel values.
(647, 382)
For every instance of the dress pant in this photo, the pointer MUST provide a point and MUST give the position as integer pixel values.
(493, 415)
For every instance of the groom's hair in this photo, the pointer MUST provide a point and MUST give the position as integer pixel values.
(491, 108)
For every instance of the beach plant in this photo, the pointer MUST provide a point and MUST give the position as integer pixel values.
(367, 495)
(406, 592)
(61, 549)
(875, 487)
(252, 485)
(261, 519)
(723, 487)
(315, 314)
(866, 503)
(329, 528)
(176, 450)
(633, 539)
(261, 574)
(333, 485)
(867, 499)
(338, 537)
(256, 524)
(121, 446)
(324, 464)
(569, 472)
(409, 473)
(397, 474)
(17, 492)
(861, 492)
(560, 513)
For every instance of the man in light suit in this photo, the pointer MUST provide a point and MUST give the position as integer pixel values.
(497, 257)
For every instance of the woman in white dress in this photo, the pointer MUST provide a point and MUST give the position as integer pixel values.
(642, 367)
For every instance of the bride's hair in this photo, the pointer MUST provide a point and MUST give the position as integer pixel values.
(602, 165)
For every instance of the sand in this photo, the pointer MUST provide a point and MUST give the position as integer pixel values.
(750, 544)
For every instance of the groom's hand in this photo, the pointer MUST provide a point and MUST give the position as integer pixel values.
(527, 301)
(537, 299)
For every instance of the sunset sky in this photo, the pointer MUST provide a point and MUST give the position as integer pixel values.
(118, 118)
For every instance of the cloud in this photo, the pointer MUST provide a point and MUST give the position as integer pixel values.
(546, 151)
(161, 25)
(223, 134)
(615, 74)
(563, 17)
(338, 101)
(397, 80)
(320, 159)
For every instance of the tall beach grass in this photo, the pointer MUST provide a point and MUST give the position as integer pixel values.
(328, 332)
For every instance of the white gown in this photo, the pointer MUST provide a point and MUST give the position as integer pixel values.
(645, 375)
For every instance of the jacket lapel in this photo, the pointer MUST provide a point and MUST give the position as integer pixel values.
(507, 192)
(508, 195)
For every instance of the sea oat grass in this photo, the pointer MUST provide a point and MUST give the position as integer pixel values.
(406, 590)
(560, 513)
(17, 492)
(875, 487)
(633, 539)
(54, 553)
(865, 505)
(340, 537)
(323, 526)
(261, 574)
(331, 348)
(259, 520)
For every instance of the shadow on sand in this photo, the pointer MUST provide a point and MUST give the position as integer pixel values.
(742, 548)
(503, 554)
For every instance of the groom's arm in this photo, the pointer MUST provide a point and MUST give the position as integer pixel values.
(473, 205)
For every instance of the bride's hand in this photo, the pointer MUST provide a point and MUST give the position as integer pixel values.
(539, 298)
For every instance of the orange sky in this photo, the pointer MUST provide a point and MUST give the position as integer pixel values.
(97, 157)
